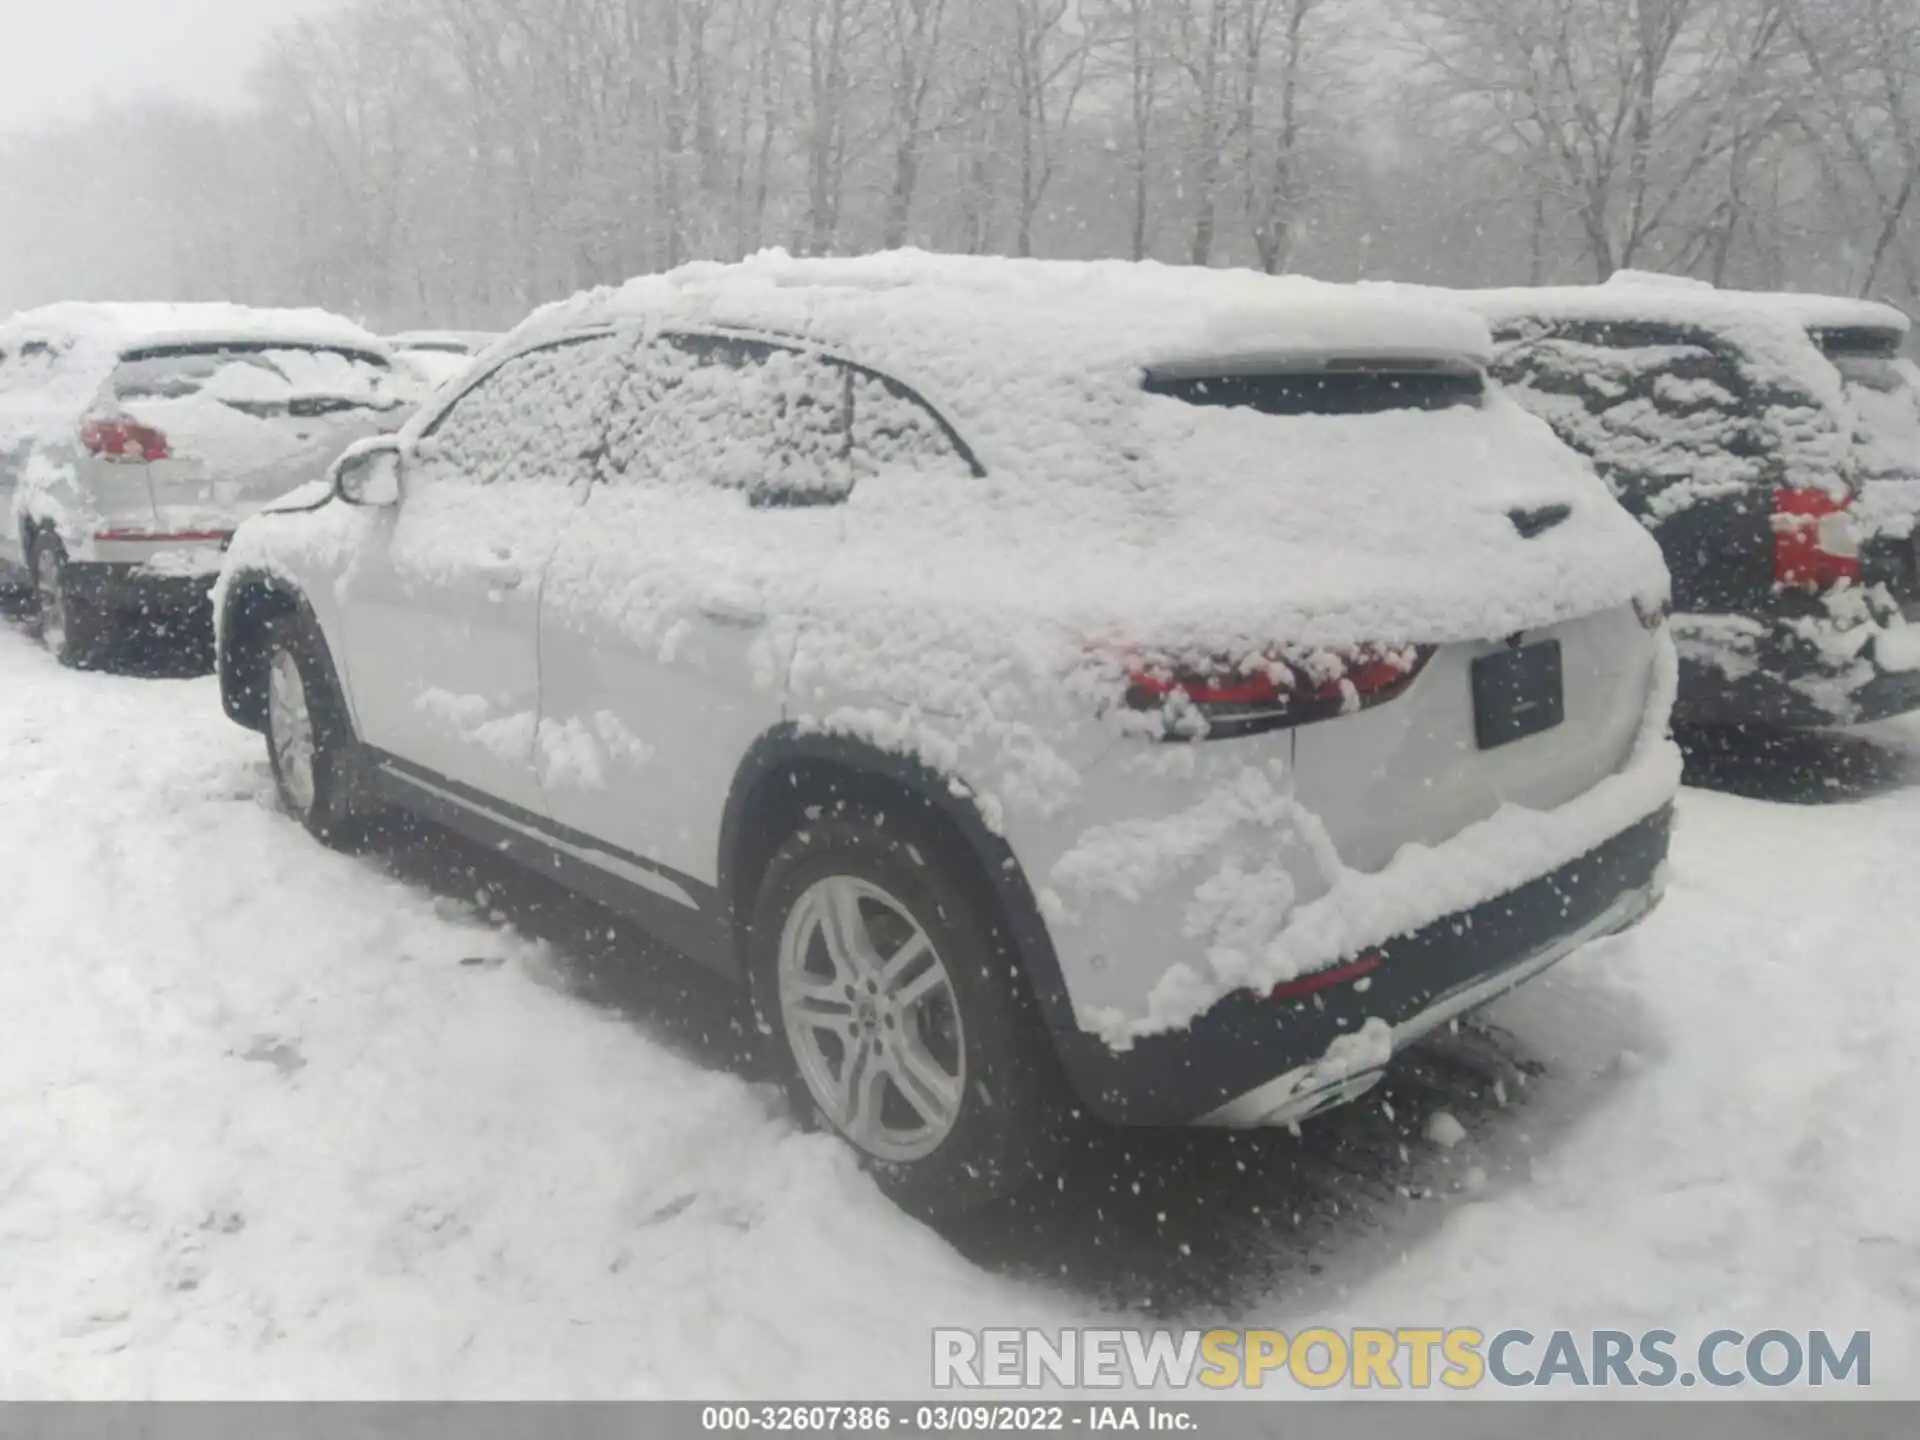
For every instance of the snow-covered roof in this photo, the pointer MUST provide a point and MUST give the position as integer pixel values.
(118, 326)
(1325, 529)
(974, 330)
(1633, 295)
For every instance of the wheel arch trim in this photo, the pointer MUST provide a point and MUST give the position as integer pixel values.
(238, 590)
(787, 746)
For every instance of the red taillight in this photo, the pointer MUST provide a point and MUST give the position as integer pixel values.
(115, 437)
(1327, 979)
(1269, 691)
(1815, 545)
(1150, 688)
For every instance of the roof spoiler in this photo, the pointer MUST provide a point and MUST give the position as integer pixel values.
(1348, 360)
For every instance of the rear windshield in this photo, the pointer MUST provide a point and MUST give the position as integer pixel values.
(1332, 388)
(260, 380)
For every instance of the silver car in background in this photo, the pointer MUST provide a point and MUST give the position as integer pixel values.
(135, 437)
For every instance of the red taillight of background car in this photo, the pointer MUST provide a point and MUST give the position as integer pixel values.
(1220, 698)
(115, 437)
(1319, 980)
(1815, 543)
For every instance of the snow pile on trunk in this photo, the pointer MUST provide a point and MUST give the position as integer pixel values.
(1281, 941)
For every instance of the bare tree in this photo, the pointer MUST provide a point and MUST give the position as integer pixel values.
(1864, 113)
(462, 160)
(1274, 54)
(1204, 38)
(1130, 37)
(1049, 65)
(914, 30)
(1622, 110)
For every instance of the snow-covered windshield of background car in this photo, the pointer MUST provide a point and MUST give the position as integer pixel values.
(259, 380)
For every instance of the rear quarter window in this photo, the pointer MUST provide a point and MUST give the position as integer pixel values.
(1332, 388)
(716, 413)
(892, 427)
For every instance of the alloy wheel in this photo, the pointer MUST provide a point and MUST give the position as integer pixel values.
(872, 1018)
(290, 729)
(52, 599)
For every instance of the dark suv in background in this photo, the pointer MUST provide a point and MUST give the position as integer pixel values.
(1771, 443)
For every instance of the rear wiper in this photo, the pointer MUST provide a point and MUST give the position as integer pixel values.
(306, 407)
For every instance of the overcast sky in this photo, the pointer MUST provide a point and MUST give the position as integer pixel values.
(60, 55)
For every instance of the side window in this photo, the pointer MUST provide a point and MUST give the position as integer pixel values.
(894, 427)
(736, 415)
(537, 419)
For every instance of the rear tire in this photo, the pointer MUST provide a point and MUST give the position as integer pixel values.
(310, 741)
(892, 1007)
(75, 632)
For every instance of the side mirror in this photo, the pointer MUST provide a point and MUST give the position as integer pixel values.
(369, 477)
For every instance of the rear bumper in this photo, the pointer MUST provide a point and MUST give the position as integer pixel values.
(1257, 1061)
(137, 588)
(1737, 670)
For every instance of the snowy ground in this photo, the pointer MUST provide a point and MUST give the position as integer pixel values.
(278, 1122)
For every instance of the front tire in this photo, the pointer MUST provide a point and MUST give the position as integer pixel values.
(76, 632)
(891, 1004)
(310, 742)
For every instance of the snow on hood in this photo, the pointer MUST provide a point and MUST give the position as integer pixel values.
(1115, 511)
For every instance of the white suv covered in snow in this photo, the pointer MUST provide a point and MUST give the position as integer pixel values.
(133, 438)
(1049, 686)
